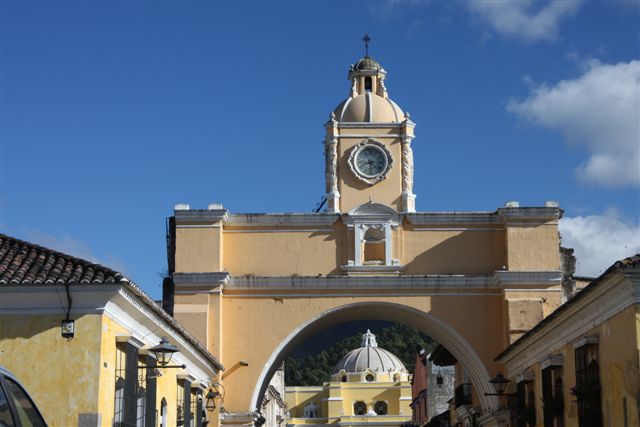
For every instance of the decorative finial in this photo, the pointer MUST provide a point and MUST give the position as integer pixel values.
(366, 39)
(368, 339)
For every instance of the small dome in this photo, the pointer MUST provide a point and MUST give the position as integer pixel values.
(369, 357)
(368, 107)
(367, 64)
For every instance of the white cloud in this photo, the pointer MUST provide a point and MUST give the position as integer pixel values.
(599, 110)
(391, 10)
(524, 19)
(69, 245)
(599, 241)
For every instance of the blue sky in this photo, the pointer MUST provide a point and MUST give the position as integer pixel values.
(113, 111)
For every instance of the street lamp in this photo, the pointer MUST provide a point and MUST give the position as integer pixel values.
(500, 383)
(163, 353)
(214, 395)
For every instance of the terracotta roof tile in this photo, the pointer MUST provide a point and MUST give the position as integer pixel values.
(23, 263)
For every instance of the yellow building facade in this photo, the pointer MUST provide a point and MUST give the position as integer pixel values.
(102, 372)
(253, 287)
(369, 386)
(580, 366)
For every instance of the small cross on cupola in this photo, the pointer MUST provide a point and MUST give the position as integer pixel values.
(366, 39)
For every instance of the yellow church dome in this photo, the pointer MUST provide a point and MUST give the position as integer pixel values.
(368, 107)
(369, 357)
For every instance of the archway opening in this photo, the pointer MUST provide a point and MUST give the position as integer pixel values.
(392, 312)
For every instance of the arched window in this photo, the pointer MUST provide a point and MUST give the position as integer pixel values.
(359, 408)
(369, 377)
(163, 413)
(367, 84)
(380, 407)
(374, 246)
(311, 410)
(343, 379)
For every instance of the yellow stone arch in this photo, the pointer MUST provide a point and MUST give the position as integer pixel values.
(376, 310)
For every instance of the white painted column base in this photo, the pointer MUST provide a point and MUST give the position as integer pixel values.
(408, 202)
(238, 419)
(495, 419)
(333, 202)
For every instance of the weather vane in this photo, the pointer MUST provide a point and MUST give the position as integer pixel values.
(366, 39)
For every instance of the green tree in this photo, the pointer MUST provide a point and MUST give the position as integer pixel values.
(314, 369)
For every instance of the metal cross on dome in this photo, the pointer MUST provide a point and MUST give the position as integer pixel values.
(366, 39)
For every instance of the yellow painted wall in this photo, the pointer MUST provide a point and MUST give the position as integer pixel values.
(61, 376)
(619, 371)
(441, 252)
(274, 253)
(198, 249)
(531, 248)
(350, 392)
(245, 317)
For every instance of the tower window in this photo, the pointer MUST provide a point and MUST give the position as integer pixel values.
(369, 377)
(380, 407)
(343, 379)
(359, 408)
(367, 84)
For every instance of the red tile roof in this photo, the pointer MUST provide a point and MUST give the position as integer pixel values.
(23, 263)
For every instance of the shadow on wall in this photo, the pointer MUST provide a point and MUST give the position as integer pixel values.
(483, 252)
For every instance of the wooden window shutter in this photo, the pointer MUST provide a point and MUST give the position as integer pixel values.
(187, 403)
(151, 412)
(199, 408)
(130, 384)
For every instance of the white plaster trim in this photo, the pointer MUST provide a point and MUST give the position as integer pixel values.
(553, 360)
(457, 229)
(198, 226)
(150, 328)
(413, 282)
(201, 215)
(432, 326)
(130, 340)
(367, 125)
(368, 135)
(282, 219)
(280, 230)
(591, 339)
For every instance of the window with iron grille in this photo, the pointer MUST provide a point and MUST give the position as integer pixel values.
(587, 388)
(151, 413)
(141, 393)
(183, 409)
(552, 397)
(125, 399)
(523, 413)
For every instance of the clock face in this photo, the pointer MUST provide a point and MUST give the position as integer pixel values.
(371, 161)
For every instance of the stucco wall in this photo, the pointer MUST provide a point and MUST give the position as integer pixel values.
(61, 375)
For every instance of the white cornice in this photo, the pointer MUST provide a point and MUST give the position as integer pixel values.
(369, 125)
(201, 216)
(402, 283)
(200, 280)
(281, 219)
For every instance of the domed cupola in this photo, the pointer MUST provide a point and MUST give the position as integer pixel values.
(368, 102)
(369, 358)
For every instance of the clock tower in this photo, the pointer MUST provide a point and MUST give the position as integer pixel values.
(368, 146)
